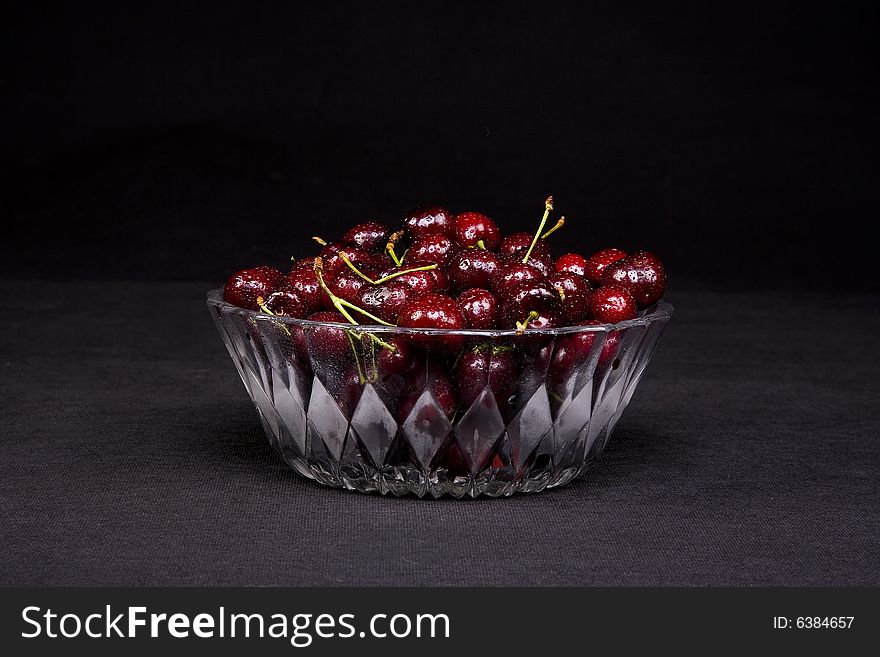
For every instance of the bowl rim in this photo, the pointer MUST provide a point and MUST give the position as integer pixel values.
(660, 311)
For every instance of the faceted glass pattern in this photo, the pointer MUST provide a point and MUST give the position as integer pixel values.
(337, 419)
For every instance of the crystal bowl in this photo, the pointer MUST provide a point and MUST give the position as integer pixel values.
(337, 417)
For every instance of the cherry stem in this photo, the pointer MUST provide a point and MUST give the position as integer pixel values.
(522, 326)
(342, 304)
(481, 245)
(319, 240)
(548, 205)
(357, 361)
(261, 302)
(384, 279)
(392, 242)
(559, 224)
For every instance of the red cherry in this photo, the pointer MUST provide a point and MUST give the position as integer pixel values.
(479, 308)
(402, 359)
(328, 340)
(472, 227)
(472, 268)
(539, 259)
(243, 287)
(511, 273)
(435, 311)
(333, 264)
(573, 350)
(303, 281)
(573, 263)
(574, 296)
(642, 274)
(434, 377)
(516, 241)
(348, 391)
(380, 261)
(612, 303)
(369, 236)
(527, 296)
(427, 221)
(331, 248)
(485, 367)
(431, 248)
(288, 302)
(598, 261)
(430, 280)
(384, 301)
(345, 284)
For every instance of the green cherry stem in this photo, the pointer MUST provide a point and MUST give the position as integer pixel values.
(342, 304)
(319, 240)
(548, 205)
(522, 326)
(261, 302)
(559, 224)
(481, 245)
(384, 279)
(357, 361)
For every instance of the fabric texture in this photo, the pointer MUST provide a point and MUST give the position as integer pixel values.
(132, 456)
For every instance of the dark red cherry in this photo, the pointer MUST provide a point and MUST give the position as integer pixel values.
(328, 340)
(642, 274)
(546, 319)
(334, 263)
(420, 282)
(486, 366)
(597, 262)
(540, 260)
(348, 392)
(435, 378)
(573, 350)
(472, 268)
(431, 248)
(609, 347)
(573, 263)
(288, 302)
(537, 348)
(243, 287)
(527, 296)
(433, 311)
(574, 296)
(331, 249)
(345, 284)
(516, 241)
(472, 227)
(512, 273)
(612, 303)
(303, 280)
(369, 236)
(479, 308)
(402, 359)
(380, 261)
(427, 221)
(384, 301)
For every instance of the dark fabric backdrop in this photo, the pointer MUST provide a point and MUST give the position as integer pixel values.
(170, 141)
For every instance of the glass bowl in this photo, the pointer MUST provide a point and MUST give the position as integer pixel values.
(338, 415)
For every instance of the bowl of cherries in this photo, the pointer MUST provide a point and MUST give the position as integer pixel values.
(443, 358)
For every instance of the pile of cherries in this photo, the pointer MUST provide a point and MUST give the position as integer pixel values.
(445, 271)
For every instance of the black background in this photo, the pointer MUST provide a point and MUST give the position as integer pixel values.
(181, 142)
